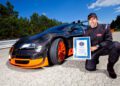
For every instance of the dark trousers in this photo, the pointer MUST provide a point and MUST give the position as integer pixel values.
(112, 50)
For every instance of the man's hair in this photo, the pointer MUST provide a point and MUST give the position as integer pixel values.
(92, 15)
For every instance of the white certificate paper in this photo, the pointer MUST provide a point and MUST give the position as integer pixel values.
(81, 48)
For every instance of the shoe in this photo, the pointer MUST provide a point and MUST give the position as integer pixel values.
(111, 72)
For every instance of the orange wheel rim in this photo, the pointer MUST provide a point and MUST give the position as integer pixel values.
(61, 51)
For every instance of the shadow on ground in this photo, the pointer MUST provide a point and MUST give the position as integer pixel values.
(81, 66)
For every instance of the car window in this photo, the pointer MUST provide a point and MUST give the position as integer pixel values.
(77, 27)
(68, 28)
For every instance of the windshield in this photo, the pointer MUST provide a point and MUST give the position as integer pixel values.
(78, 27)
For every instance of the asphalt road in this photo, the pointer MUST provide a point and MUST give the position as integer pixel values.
(7, 43)
(70, 73)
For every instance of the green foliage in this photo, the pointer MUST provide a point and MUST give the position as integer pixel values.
(115, 24)
(13, 27)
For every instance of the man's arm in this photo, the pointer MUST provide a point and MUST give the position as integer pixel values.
(107, 38)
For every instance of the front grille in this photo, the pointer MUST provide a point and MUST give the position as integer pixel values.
(23, 57)
(21, 62)
(22, 54)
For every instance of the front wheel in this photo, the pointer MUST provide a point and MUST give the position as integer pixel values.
(58, 51)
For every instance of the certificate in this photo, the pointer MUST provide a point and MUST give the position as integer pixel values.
(81, 48)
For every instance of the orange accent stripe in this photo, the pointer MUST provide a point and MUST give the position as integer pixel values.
(70, 52)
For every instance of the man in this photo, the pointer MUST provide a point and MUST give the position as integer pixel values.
(101, 44)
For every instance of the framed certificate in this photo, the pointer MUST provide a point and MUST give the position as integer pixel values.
(81, 48)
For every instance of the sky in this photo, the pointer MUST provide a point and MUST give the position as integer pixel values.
(68, 10)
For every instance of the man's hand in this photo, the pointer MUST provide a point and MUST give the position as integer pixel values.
(93, 48)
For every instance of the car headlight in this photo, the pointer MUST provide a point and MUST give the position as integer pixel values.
(28, 46)
(38, 48)
(32, 46)
(9, 57)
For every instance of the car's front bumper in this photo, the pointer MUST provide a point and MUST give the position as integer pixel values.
(29, 63)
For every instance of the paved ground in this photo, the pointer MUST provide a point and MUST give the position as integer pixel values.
(71, 73)
(7, 43)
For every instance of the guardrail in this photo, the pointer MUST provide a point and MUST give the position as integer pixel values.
(7, 43)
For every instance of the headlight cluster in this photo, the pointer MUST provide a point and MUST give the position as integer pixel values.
(38, 49)
(32, 46)
(28, 46)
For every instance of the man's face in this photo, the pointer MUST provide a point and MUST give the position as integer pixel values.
(93, 22)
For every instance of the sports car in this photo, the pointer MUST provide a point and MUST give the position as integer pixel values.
(50, 47)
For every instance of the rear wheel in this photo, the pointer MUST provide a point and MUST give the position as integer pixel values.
(58, 51)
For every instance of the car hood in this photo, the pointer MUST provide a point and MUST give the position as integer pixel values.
(38, 40)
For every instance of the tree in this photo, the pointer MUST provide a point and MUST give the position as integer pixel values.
(13, 27)
(116, 23)
(3, 11)
(113, 25)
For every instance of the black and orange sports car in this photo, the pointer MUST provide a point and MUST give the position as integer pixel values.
(52, 46)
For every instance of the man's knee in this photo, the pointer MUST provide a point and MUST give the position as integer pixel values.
(117, 45)
(115, 52)
(115, 48)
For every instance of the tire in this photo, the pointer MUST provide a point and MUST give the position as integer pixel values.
(57, 51)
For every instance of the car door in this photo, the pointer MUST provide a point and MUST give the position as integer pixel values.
(75, 30)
